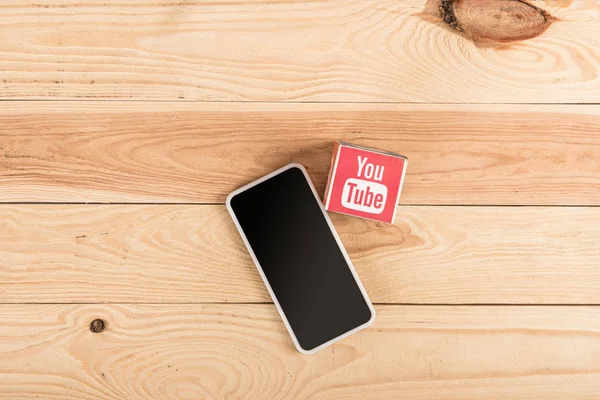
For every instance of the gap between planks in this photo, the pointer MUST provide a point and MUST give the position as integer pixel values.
(266, 303)
(292, 102)
(24, 203)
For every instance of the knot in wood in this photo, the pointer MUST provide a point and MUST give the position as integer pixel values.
(97, 325)
(496, 20)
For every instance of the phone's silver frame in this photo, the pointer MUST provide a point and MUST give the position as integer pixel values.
(264, 278)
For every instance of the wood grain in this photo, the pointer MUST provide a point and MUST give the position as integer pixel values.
(195, 152)
(367, 50)
(182, 254)
(243, 352)
(492, 22)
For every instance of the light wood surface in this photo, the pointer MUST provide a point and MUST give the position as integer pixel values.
(367, 50)
(243, 352)
(166, 152)
(486, 287)
(451, 255)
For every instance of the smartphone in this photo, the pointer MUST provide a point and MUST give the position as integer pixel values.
(300, 258)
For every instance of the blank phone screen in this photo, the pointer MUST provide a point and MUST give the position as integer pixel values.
(284, 225)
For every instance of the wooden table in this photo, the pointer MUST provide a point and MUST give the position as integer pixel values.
(125, 124)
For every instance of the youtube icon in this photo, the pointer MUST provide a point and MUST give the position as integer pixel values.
(365, 182)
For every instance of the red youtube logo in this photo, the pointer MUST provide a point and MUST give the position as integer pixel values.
(365, 182)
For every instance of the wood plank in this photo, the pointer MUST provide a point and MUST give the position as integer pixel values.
(243, 352)
(367, 50)
(182, 254)
(195, 152)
